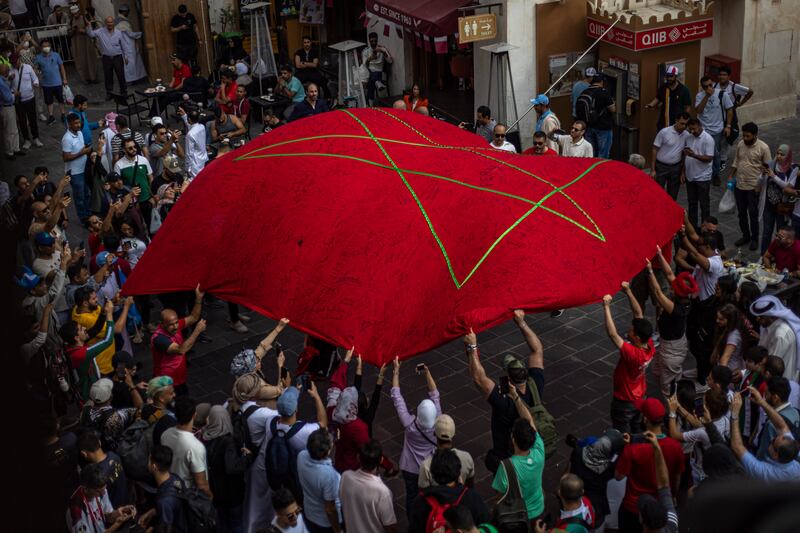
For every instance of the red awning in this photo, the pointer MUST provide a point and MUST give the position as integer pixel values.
(432, 18)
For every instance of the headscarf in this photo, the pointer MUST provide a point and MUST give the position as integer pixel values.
(201, 414)
(786, 166)
(158, 385)
(111, 123)
(346, 409)
(244, 362)
(246, 388)
(426, 414)
(771, 306)
(597, 456)
(219, 423)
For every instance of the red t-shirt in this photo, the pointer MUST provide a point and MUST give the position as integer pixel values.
(352, 436)
(629, 380)
(169, 364)
(230, 93)
(180, 74)
(638, 464)
(548, 151)
(786, 257)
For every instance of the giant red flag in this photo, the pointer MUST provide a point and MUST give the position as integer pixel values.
(395, 233)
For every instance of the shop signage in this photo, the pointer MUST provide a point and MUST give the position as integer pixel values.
(651, 38)
(477, 28)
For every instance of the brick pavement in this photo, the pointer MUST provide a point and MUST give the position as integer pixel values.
(579, 359)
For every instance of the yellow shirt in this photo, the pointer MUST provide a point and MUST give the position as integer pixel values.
(88, 320)
(748, 163)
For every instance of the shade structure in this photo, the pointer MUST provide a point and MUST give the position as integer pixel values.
(433, 19)
(395, 233)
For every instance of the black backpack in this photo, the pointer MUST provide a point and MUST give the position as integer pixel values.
(241, 431)
(201, 515)
(133, 447)
(511, 513)
(280, 459)
(586, 108)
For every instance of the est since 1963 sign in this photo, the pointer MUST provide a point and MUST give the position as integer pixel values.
(477, 28)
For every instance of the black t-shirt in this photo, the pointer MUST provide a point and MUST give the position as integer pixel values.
(116, 481)
(504, 413)
(185, 37)
(309, 56)
(672, 326)
(602, 99)
(120, 395)
(594, 484)
(679, 98)
(61, 458)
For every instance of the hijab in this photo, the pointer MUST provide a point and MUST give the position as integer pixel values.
(598, 456)
(426, 414)
(246, 388)
(771, 306)
(219, 423)
(785, 167)
(346, 409)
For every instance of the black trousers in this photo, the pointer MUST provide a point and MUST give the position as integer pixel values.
(26, 119)
(698, 193)
(747, 209)
(669, 177)
(114, 65)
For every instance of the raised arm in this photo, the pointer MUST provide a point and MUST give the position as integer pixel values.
(665, 303)
(737, 445)
(536, 357)
(774, 416)
(122, 319)
(322, 415)
(522, 407)
(701, 260)
(476, 370)
(611, 328)
(665, 267)
(636, 309)
(662, 473)
(265, 345)
(429, 379)
(198, 307)
(187, 345)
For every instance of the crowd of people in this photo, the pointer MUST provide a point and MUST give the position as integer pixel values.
(127, 450)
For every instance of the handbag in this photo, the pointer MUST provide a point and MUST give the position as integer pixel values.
(68, 96)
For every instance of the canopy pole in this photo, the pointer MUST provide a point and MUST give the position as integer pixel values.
(571, 67)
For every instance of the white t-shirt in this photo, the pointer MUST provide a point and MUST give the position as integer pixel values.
(582, 148)
(699, 438)
(713, 118)
(507, 146)
(734, 90)
(299, 528)
(93, 515)
(256, 422)
(135, 249)
(703, 144)
(707, 279)
(366, 502)
(670, 145)
(736, 362)
(188, 454)
(299, 440)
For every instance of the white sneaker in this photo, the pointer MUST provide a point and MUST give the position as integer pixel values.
(37, 143)
(26, 145)
(42, 117)
(244, 318)
(239, 327)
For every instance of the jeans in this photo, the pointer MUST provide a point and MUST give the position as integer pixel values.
(719, 139)
(772, 221)
(747, 210)
(229, 519)
(601, 141)
(669, 177)
(412, 490)
(625, 417)
(373, 77)
(81, 195)
(111, 66)
(698, 192)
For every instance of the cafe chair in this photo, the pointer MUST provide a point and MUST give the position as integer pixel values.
(129, 105)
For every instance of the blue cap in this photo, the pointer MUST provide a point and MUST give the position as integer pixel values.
(287, 402)
(44, 238)
(28, 280)
(542, 99)
(100, 259)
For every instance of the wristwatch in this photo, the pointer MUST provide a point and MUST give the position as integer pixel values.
(471, 347)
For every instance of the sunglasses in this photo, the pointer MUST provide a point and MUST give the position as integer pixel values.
(501, 135)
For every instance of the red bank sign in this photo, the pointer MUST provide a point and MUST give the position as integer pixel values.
(652, 38)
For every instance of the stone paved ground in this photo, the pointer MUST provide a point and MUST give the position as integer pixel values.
(579, 358)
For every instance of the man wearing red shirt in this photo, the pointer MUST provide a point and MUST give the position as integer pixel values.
(539, 145)
(180, 71)
(635, 355)
(784, 252)
(226, 94)
(169, 347)
(638, 465)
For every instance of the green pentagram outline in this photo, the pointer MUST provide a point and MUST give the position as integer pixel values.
(393, 166)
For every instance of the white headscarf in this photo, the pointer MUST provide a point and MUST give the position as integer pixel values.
(346, 406)
(771, 306)
(426, 414)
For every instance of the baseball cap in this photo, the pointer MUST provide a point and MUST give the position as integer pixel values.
(172, 163)
(29, 279)
(590, 72)
(100, 259)
(287, 402)
(444, 428)
(542, 99)
(672, 70)
(113, 176)
(101, 390)
(43, 238)
(652, 409)
(156, 121)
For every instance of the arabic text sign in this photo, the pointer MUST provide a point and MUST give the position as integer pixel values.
(477, 28)
(652, 38)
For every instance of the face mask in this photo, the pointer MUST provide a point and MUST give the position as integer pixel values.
(26, 45)
(46, 49)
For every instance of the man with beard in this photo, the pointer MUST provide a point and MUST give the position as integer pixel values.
(312, 105)
(88, 314)
(752, 156)
(673, 96)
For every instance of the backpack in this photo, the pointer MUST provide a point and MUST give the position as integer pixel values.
(280, 459)
(586, 108)
(436, 522)
(544, 421)
(511, 513)
(241, 431)
(735, 120)
(201, 515)
(133, 447)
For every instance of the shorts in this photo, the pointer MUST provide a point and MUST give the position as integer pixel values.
(53, 92)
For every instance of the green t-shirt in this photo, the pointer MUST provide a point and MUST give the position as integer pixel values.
(529, 473)
(134, 174)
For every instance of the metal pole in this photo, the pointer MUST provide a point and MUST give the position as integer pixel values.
(571, 67)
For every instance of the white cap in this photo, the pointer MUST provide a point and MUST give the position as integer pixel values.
(672, 70)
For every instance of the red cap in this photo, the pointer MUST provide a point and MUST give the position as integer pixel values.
(652, 409)
(684, 285)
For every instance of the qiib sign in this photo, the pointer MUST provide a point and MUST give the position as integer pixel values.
(651, 38)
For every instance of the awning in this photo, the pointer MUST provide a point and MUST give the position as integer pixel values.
(437, 18)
